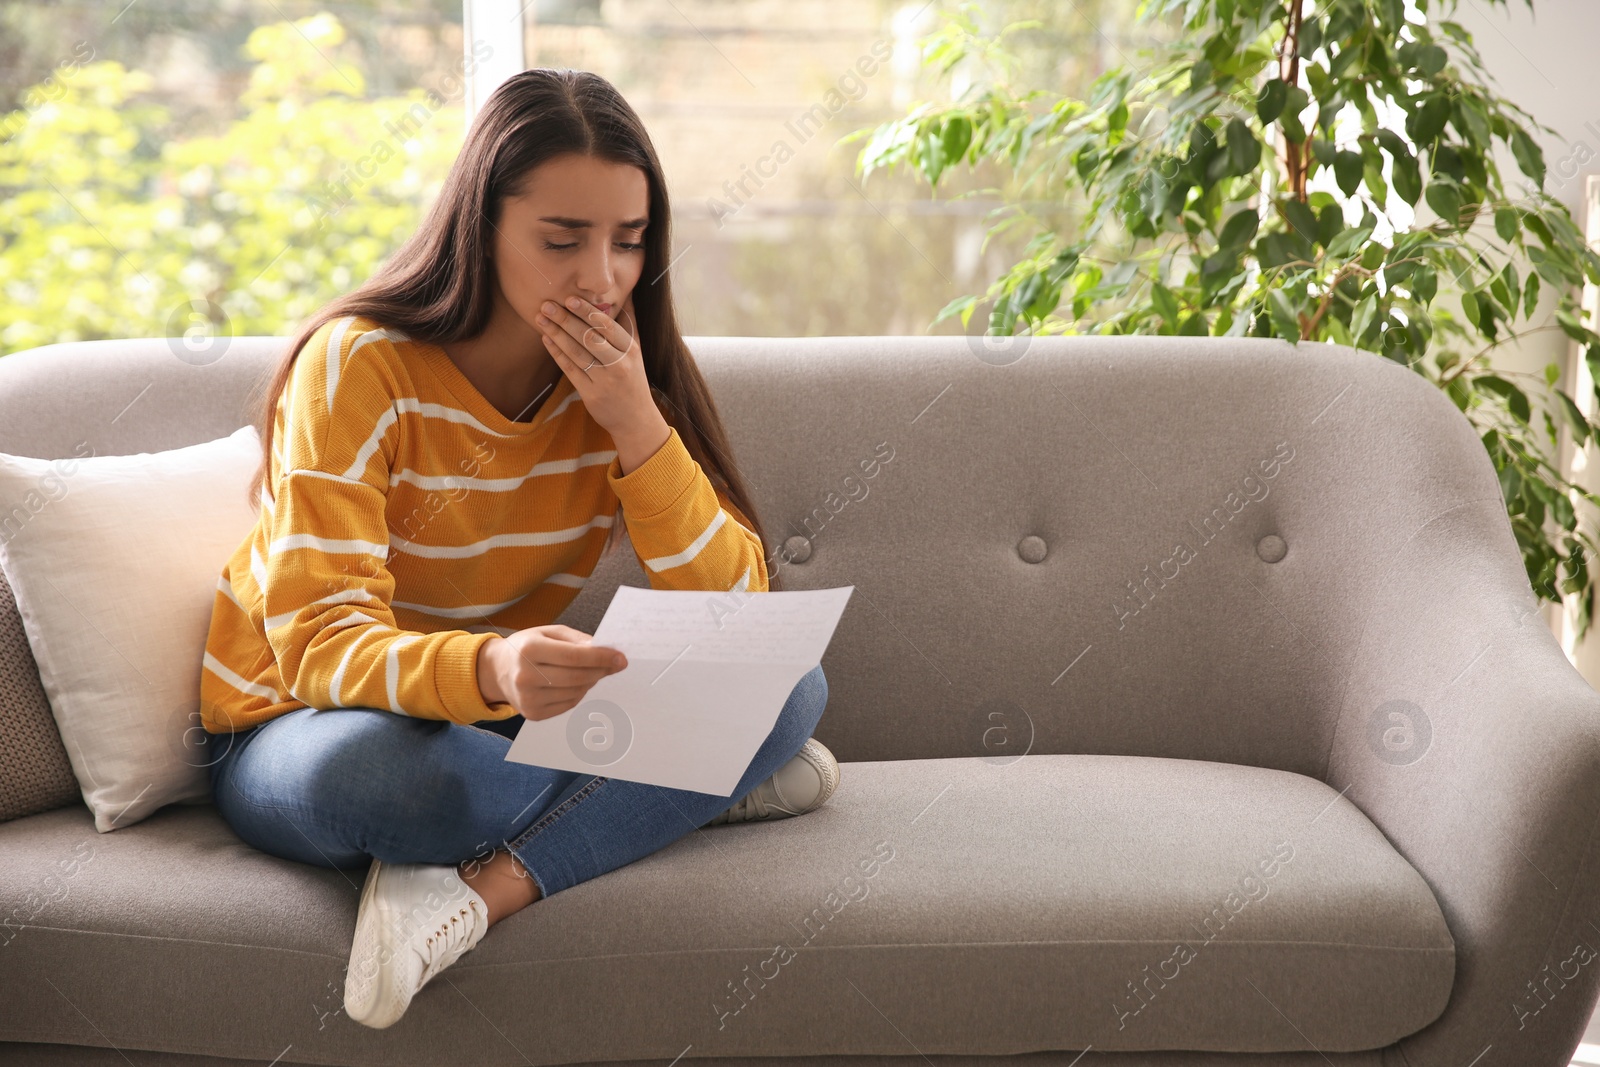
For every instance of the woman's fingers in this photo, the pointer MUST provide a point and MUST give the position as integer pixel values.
(563, 348)
(615, 334)
(592, 330)
(557, 631)
(562, 674)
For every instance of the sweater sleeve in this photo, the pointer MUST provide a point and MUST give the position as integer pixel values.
(326, 585)
(686, 532)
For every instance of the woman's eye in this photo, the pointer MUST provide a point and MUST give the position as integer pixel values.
(556, 247)
(629, 247)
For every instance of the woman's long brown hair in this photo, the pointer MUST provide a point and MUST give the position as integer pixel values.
(439, 286)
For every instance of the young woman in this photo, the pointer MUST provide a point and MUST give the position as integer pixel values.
(448, 451)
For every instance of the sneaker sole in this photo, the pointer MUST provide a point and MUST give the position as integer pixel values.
(818, 756)
(367, 981)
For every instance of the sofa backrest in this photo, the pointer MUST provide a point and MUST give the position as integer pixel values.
(1147, 546)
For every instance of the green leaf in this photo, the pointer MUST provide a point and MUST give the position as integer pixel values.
(1530, 158)
(1347, 242)
(1426, 123)
(1575, 418)
(1534, 222)
(1244, 151)
(1425, 283)
(1330, 223)
(1518, 403)
(1344, 64)
(1270, 100)
(1502, 293)
(1363, 316)
(1276, 249)
(1445, 201)
(1295, 101)
(1284, 320)
(1530, 296)
(1472, 120)
(1506, 223)
(1239, 230)
(1300, 219)
(1310, 33)
(1513, 286)
(1546, 265)
(958, 135)
(1573, 328)
(1407, 179)
(1430, 60)
(1214, 268)
(930, 155)
(1510, 482)
(1166, 304)
(1347, 169)
(961, 304)
(1327, 112)
(1372, 171)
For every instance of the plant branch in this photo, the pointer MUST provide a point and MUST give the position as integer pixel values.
(1294, 152)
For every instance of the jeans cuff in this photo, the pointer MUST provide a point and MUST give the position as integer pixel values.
(558, 875)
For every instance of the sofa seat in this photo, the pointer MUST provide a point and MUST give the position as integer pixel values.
(934, 906)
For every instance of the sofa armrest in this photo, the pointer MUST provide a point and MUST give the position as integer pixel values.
(1467, 737)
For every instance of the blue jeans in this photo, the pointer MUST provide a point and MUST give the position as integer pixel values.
(337, 787)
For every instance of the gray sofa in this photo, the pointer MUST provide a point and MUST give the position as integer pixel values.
(1193, 704)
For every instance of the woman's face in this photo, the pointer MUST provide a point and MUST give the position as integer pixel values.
(577, 230)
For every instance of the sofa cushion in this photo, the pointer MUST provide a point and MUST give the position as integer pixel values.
(115, 562)
(957, 905)
(35, 774)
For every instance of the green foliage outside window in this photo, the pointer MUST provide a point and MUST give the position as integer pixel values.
(110, 216)
(1195, 178)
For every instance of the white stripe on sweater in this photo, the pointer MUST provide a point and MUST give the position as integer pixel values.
(334, 360)
(431, 410)
(370, 336)
(371, 444)
(678, 559)
(334, 696)
(327, 544)
(243, 685)
(343, 596)
(501, 485)
(225, 587)
(469, 611)
(511, 540)
(391, 669)
(258, 570)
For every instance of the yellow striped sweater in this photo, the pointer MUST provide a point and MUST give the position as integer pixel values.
(410, 522)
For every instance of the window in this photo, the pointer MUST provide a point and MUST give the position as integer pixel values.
(169, 167)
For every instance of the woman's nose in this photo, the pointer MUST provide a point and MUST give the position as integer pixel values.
(595, 274)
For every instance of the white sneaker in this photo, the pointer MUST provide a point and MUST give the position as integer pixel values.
(415, 920)
(803, 784)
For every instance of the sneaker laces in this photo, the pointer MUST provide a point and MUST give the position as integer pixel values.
(445, 944)
(751, 802)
